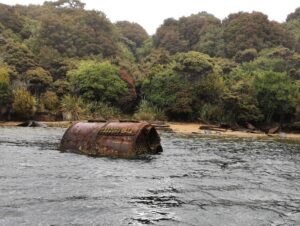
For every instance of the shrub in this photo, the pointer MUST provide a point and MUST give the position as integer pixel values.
(147, 112)
(167, 90)
(102, 110)
(211, 113)
(24, 104)
(246, 55)
(276, 94)
(72, 107)
(50, 100)
(38, 80)
(298, 107)
(98, 82)
(5, 87)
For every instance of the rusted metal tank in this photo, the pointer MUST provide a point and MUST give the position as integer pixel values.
(115, 139)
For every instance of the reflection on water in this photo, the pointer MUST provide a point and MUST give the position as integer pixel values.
(195, 181)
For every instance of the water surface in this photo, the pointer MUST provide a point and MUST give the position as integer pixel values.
(195, 181)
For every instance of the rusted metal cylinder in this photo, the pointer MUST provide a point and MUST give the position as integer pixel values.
(115, 139)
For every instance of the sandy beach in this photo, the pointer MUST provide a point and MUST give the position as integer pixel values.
(188, 129)
(193, 128)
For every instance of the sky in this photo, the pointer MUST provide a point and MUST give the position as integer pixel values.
(151, 13)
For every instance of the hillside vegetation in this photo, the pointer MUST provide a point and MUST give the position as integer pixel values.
(60, 61)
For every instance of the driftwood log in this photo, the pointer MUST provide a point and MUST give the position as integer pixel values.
(32, 123)
(212, 128)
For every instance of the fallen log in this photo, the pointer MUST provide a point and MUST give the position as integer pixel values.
(212, 128)
(32, 123)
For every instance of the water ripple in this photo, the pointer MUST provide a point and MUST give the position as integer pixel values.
(195, 181)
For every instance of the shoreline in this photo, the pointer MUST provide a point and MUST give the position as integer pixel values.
(193, 129)
(186, 129)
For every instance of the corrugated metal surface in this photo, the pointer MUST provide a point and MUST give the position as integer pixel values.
(116, 139)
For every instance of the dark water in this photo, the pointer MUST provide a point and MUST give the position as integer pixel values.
(195, 181)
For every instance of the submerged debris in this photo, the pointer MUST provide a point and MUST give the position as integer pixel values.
(115, 139)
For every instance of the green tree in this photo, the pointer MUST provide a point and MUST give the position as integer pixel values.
(193, 27)
(276, 95)
(61, 87)
(194, 65)
(246, 55)
(204, 76)
(294, 15)
(276, 59)
(6, 94)
(226, 65)
(168, 36)
(76, 33)
(19, 56)
(145, 49)
(72, 4)
(10, 19)
(48, 57)
(211, 42)
(38, 80)
(154, 58)
(253, 30)
(200, 32)
(239, 99)
(292, 24)
(98, 82)
(166, 90)
(133, 32)
(209, 89)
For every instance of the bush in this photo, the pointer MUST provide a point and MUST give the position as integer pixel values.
(276, 94)
(72, 107)
(211, 113)
(5, 87)
(169, 91)
(98, 82)
(38, 80)
(298, 106)
(246, 55)
(61, 87)
(24, 104)
(50, 101)
(102, 110)
(147, 112)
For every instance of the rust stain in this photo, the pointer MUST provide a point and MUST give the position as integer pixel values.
(115, 139)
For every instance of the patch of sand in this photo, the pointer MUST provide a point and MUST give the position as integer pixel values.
(193, 128)
(186, 128)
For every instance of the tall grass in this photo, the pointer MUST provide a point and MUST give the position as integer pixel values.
(72, 107)
(148, 112)
(102, 110)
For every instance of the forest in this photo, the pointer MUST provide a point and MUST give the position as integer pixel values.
(59, 61)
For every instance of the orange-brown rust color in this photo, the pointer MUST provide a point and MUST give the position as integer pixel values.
(115, 139)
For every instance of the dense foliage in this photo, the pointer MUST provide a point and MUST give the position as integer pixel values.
(98, 82)
(61, 59)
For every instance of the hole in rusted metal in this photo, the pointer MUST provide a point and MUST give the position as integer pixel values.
(141, 144)
(153, 139)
